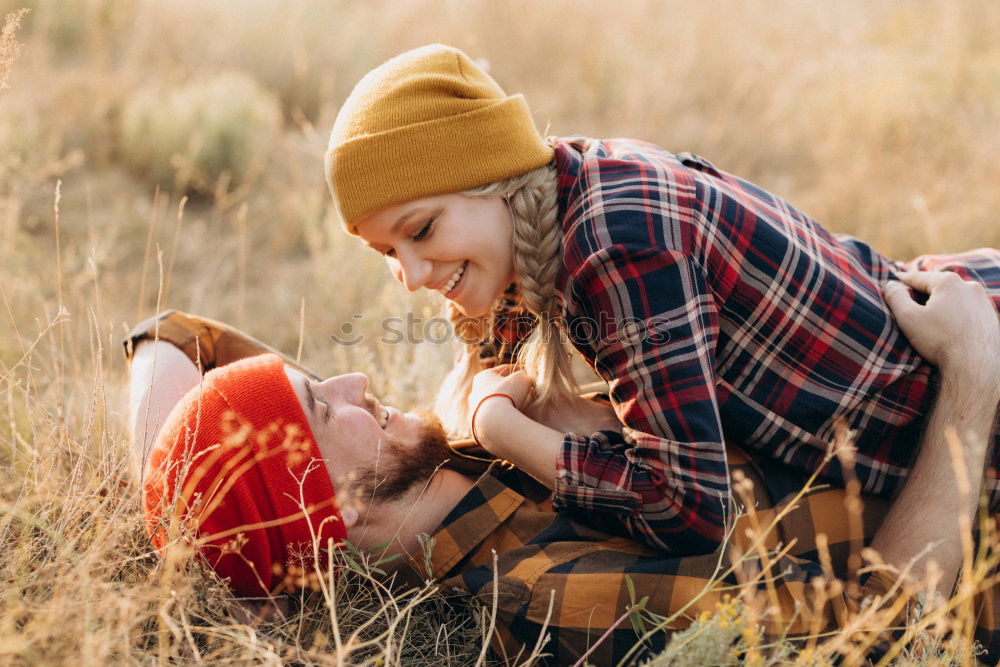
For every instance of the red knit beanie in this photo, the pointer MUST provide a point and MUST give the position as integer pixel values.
(238, 462)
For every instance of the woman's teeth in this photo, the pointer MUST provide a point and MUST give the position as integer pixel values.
(455, 277)
(383, 418)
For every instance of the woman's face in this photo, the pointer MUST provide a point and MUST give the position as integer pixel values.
(460, 246)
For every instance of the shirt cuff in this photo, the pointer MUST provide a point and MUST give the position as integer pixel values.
(583, 475)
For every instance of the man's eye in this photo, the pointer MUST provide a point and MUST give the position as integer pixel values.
(425, 230)
(389, 253)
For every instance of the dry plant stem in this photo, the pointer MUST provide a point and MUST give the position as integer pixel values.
(241, 263)
(493, 615)
(607, 633)
(972, 416)
(744, 489)
(154, 211)
(536, 650)
(302, 330)
(985, 581)
(60, 369)
(59, 318)
(715, 581)
(173, 249)
(10, 49)
(852, 500)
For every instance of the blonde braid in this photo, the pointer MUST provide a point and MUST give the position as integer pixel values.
(534, 209)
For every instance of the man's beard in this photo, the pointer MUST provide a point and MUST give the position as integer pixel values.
(399, 468)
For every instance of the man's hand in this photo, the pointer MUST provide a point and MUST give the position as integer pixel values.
(576, 415)
(958, 328)
(958, 331)
(159, 376)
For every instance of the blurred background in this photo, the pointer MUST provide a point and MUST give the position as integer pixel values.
(186, 139)
(169, 154)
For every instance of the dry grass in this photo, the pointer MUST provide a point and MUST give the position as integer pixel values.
(878, 118)
(10, 48)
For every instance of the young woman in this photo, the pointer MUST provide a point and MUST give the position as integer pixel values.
(715, 311)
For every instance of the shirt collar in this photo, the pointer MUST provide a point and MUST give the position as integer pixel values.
(570, 153)
(480, 513)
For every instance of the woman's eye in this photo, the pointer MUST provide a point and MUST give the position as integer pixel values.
(425, 230)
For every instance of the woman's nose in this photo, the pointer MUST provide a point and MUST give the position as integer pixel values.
(413, 271)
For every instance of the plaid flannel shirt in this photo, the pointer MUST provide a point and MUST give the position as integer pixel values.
(561, 584)
(718, 313)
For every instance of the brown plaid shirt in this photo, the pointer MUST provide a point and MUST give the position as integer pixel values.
(565, 584)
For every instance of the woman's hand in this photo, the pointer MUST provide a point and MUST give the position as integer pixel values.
(504, 431)
(957, 330)
(505, 379)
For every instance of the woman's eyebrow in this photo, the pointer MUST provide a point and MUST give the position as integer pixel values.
(403, 218)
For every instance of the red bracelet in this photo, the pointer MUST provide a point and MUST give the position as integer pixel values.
(480, 404)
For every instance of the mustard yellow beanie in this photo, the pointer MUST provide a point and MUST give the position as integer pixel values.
(427, 122)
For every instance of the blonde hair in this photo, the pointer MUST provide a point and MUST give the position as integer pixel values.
(545, 355)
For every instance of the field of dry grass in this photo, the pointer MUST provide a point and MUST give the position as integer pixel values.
(171, 153)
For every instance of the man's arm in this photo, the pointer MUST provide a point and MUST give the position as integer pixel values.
(957, 331)
(160, 376)
(158, 349)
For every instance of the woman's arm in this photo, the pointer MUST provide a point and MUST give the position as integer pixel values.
(652, 331)
(160, 376)
(502, 429)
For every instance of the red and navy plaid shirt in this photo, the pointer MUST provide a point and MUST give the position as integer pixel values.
(719, 313)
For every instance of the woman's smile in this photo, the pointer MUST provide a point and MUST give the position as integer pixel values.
(451, 289)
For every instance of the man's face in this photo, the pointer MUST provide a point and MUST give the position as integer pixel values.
(379, 451)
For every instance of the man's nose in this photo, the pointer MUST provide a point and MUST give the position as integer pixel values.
(411, 269)
(350, 387)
